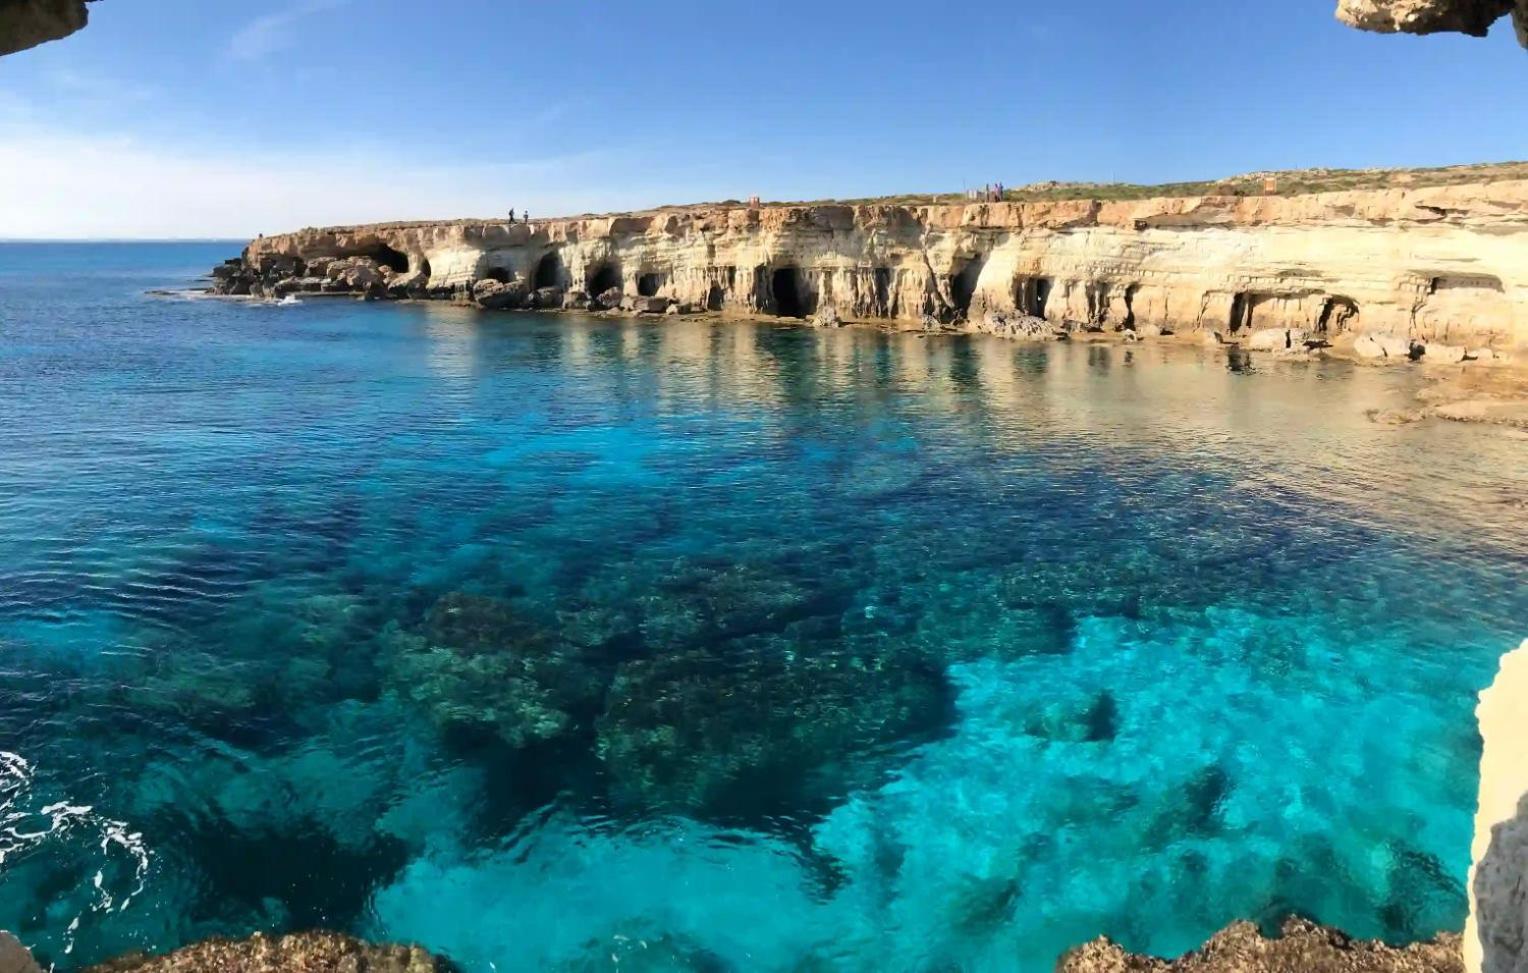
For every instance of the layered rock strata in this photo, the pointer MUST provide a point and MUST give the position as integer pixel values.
(1444, 264)
(27, 23)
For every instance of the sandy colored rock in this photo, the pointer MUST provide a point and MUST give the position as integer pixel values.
(1301, 947)
(14, 957)
(1444, 263)
(311, 952)
(1473, 17)
(1496, 936)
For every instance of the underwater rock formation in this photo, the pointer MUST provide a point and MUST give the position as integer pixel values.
(310, 952)
(27, 23)
(1429, 262)
(480, 667)
(1301, 947)
(703, 733)
(1473, 17)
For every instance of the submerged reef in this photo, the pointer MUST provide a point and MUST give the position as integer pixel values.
(479, 666)
(696, 732)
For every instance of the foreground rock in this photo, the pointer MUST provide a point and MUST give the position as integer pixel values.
(14, 957)
(1496, 936)
(1473, 17)
(1301, 947)
(309, 952)
(27, 23)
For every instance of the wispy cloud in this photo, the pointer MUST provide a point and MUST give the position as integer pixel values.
(74, 188)
(271, 32)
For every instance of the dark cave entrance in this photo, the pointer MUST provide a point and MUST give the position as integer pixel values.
(963, 284)
(424, 268)
(648, 285)
(1337, 315)
(883, 291)
(1043, 286)
(787, 288)
(497, 273)
(549, 272)
(605, 277)
(1241, 311)
(385, 255)
(1130, 293)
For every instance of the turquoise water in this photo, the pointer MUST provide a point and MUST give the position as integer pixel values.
(577, 644)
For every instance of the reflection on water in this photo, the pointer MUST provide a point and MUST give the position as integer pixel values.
(570, 643)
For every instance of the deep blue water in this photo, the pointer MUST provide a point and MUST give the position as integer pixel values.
(566, 643)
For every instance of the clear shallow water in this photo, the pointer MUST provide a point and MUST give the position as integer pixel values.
(558, 643)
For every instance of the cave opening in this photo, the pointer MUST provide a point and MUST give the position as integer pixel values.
(648, 284)
(1241, 311)
(1337, 315)
(549, 271)
(963, 284)
(385, 255)
(1043, 286)
(1130, 293)
(883, 291)
(605, 277)
(497, 273)
(787, 289)
(424, 268)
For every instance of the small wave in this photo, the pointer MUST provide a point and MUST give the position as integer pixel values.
(180, 293)
(24, 830)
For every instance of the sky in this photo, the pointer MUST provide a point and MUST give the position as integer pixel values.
(197, 119)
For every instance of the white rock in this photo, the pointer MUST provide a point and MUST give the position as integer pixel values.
(1436, 354)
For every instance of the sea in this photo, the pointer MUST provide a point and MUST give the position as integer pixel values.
(574, 643)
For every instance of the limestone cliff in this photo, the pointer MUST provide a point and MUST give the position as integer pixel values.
(1496, 936)
(1473, 17)
(27, 23)
(1441, 263)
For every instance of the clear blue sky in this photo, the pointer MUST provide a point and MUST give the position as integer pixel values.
(196, 118)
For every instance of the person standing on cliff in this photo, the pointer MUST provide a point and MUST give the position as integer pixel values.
(511, 215)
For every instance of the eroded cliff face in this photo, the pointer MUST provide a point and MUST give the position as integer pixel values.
(1448, 263)
(27, 23)
(1473, 17)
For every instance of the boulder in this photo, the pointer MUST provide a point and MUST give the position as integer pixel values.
(1017, 326)
(575, 301)
(1276, 339)
(671, 310)
(547, 297)
(494, 295)
(827, 316)
(1481, 354)
(608, 299)
(1383, 346)
(1148, 330)
(1436, 354)
(645, 305)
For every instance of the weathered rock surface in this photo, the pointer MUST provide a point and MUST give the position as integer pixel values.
(1473, 17)
(1301, 947)
(1445, 263)
(310, 952)
(27, 23)
(14, 957)
(1496, 936)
